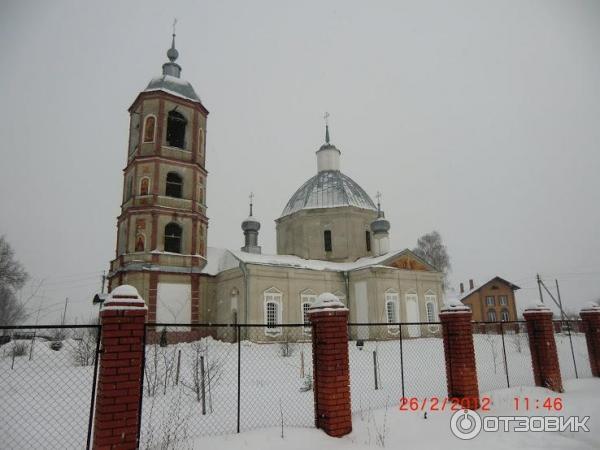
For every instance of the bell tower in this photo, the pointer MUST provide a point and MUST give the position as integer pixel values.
(162, 227)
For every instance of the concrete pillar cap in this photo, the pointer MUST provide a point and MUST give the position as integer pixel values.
(454, 305)
(327, 302)
(124, 297)
(591, 307)
(537, 307)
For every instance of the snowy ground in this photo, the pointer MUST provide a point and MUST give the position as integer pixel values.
(46, 399)
(410, 430)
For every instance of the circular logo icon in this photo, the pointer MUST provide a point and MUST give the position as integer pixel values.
(465, 424)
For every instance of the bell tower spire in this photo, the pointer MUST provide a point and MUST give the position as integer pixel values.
(171, 67)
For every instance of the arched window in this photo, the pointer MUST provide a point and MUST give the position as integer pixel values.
(273, 313)
(140, 243)
(174, 187)
(392, 306)
(307, 298)
(173, 238)
(145, 186)
(327, 240)
(176, 124)
(491, 315)
(200, 141)
(504, 315)
(149, 127)
(368, 240)
(430, 306)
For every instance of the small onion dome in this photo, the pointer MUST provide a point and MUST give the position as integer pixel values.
(251, 224)
(380, 225)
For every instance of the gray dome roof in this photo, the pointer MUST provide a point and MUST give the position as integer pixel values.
(328, 189)
(173, 85)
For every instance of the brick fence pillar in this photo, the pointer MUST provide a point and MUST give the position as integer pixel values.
(117, 414)
(544, 357)
(459, 351)
(331, 370)
(590, 316)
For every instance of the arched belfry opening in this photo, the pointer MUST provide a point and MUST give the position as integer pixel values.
(176, 123)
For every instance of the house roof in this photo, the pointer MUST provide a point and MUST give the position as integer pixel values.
(514, 287)
(220, 259)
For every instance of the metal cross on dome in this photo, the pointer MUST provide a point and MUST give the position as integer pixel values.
(251, 197)
(326, 117)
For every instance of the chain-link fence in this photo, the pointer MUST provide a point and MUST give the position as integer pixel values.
(204, 380)
(392, 361)
(572, 349)
(502, 355)
(47, 386)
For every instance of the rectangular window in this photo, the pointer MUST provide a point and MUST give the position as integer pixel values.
(505, 316)
(503, 300)
(491, 315)
(368, 239)
(490, 301)
(327, 239)
(271, 315)
(391, 312)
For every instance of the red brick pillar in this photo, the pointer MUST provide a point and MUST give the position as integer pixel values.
(544, 357)
(331, 370)
(459, 351)
(590, 315)
(117, 415)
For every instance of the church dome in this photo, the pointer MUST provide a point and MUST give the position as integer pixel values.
(328, 189)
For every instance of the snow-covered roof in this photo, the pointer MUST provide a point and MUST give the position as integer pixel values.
(173, 85)
(461, 297)
(220, 259)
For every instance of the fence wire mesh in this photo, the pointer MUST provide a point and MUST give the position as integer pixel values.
(391, 361)
(571, 347)
(202, 380)
(502, 355)
(47, 384)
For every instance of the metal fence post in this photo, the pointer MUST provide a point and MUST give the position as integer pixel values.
(504, 354)
(401, 360)
(572, 351)
(239, 349)
(93, 399)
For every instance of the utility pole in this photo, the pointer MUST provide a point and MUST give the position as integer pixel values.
(560, 300)
(103, 281)
(64, 317)
(539, 282)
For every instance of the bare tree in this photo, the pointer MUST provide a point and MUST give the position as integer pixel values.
(12, 278)
(431, 248)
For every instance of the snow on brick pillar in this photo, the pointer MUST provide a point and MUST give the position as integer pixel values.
(117, 415)
(459, 352)
(331, 371)
(590, 316)
(544, 357)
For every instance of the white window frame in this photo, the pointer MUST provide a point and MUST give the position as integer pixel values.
(146, 117)
(503, 300)
(306, 298)
(492, 311)
(431, 299)
(488, 302)
(502, 314)
(392, 297)
(273, 296)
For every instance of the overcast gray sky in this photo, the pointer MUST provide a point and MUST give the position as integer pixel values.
(480, 119)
